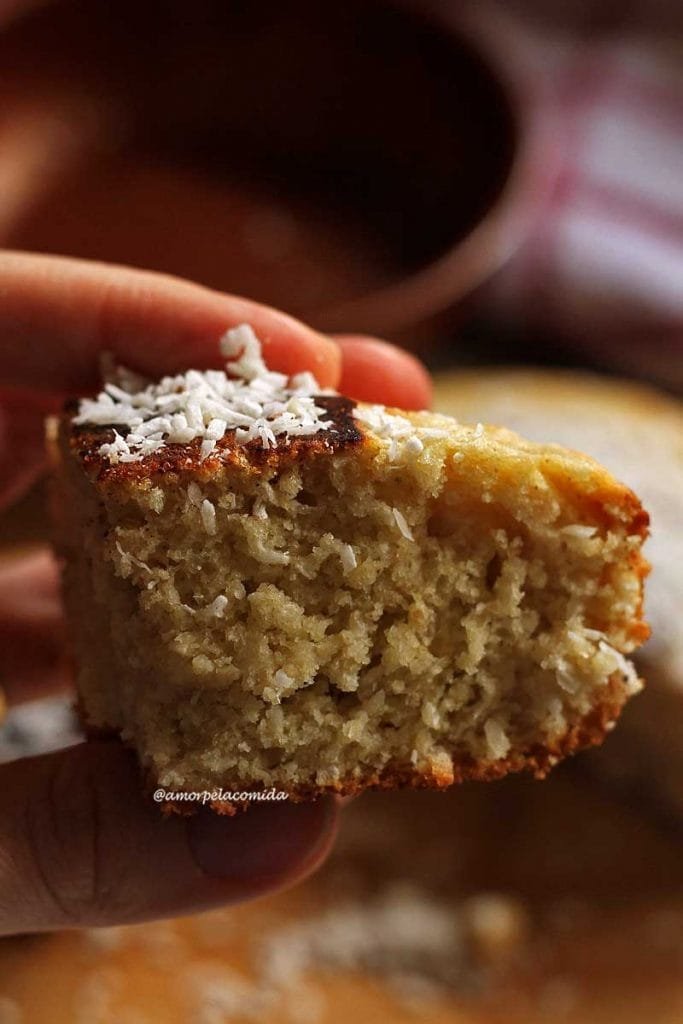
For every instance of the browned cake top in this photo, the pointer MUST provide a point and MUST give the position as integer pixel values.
(198, 421)
(342, 431)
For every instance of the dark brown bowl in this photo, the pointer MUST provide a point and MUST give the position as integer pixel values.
(396, 129)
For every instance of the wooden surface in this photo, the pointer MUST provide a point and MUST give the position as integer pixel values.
(600, 885)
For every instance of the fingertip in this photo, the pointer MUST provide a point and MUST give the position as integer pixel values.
(377, 371)
(61, 313)
(87, 845)
(295, 349)
(187, 323)
(265, 847)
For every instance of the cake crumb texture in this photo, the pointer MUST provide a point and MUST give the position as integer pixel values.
(369, 605)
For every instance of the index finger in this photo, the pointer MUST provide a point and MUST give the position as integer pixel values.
(57, 315)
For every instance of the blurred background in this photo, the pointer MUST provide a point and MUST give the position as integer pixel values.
(499, 187)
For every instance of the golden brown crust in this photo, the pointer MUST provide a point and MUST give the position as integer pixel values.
(642, 442)
(85, 441)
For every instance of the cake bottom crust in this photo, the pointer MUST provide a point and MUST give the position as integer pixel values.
(538, 759)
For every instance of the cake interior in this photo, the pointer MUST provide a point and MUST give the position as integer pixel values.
(341, 617)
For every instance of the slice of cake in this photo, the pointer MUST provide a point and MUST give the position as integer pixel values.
(269, 586)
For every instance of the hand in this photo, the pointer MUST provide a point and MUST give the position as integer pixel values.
(79, 844)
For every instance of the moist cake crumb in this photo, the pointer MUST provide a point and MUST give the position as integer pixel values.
(338, 595)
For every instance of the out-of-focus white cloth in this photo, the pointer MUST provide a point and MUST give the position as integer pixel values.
(603, 267)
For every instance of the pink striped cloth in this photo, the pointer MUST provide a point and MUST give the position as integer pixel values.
(603, 267)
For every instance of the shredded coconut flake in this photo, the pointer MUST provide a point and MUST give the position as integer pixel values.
(624, 666)
(394, 450)
(348, 558)
(432, 432)
(246, 398)
(400, 520)
(208, 513)
(385, 424)
(129, 559)
(395, 430)
(402, 438)
(195, 495)
(579, 530)
(259, 511)
(270, 556)
(283, 685)
(430, 715)
(496, 738)
(218, 606)
(206, 448)
(414, 445)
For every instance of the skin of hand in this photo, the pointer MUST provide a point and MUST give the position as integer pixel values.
(79, 843)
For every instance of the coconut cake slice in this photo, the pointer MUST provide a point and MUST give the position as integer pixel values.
(270, 586)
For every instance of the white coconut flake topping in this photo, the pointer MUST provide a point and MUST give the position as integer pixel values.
(627, 670)
(496, 739)
(579, 530)
(259, 511)
(385, 424)
(208, 514)
(194, 494)
(282, 680)
(403, 439)
(432, 432)
(255, 403)
(348, 558)
(402, 524)
(246, 400)
(218, 606)
(283, 686)
(414, 445)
